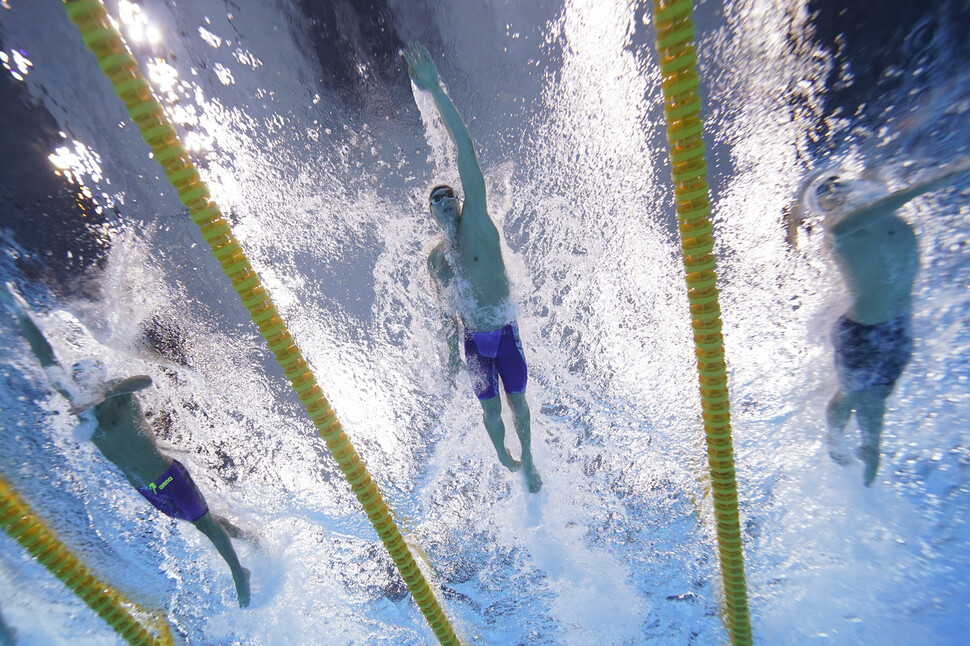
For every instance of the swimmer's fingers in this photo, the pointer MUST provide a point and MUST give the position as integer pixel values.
(423, 52)
(413, 58)
(421, 68)
(13, 300)
(413, 54)
(408, 57)
(6, 297)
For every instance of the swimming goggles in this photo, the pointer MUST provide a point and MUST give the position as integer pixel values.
(829, 187)
(437, 197)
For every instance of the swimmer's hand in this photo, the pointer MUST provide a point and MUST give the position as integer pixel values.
(6, 297)
(421, 68)
(12, 300)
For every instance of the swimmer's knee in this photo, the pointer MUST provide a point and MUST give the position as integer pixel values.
(517, 400)
(205, 523)
(491, 407)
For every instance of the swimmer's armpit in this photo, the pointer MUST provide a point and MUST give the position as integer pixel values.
(77, 409)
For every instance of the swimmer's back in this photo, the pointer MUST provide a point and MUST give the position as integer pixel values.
(124, 438)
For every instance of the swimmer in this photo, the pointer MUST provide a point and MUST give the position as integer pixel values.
(876, 253)
(124, 438)
(469, 260)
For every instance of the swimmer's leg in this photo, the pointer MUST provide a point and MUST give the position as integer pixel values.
(522, 419)
(234, 531)
(870, 412)
(492, 416)
(216, 533)
(837, 416)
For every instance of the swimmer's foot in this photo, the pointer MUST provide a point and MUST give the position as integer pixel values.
(532, 476)
(837, 449)
(242, 587)
(234, 531)
(509, 463)
(870, 458)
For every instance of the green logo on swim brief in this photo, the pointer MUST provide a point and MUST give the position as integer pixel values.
(155, 489)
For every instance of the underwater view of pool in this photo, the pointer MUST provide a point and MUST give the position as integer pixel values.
(321, 154)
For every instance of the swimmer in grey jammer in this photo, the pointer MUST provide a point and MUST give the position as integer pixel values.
(876, 252)
(124, 438)
(469, 262)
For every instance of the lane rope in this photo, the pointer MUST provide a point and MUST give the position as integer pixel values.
(682, 107)
(135, 625)
(121, 68)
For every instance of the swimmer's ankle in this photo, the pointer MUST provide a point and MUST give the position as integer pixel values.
(510, 463)
(242, 587)
(535, 482)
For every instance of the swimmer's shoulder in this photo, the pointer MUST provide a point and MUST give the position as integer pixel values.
(436, 259)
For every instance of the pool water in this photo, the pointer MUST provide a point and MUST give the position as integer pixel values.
(321, 155)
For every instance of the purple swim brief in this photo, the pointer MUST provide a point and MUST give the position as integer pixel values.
(175, 494)
(495, 354)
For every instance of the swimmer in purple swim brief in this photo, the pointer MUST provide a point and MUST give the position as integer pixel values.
(495, 354)
(468, 262)
(174, 494)
(123, 436)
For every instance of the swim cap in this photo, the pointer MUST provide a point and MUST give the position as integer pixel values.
(448, 186)
(841, 195)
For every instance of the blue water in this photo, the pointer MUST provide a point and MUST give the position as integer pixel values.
(314, 144)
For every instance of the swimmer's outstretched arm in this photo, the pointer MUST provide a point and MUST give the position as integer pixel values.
(423, 72)
(38, 343)
(35, 338)
(127, 386)
(42, 349)
(871, 212)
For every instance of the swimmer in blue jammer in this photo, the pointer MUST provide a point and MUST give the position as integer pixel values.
(469, 264)
(876, 252)
(124, 438)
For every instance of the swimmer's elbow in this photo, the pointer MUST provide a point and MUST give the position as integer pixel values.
(129, 385)
(139, 382)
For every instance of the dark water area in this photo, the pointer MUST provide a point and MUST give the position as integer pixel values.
(58, 229)
(880, 49)
(358, 49)
(52, 223)
(876, 49)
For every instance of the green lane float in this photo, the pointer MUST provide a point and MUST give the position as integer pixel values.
(678, 66)
(121, 68)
